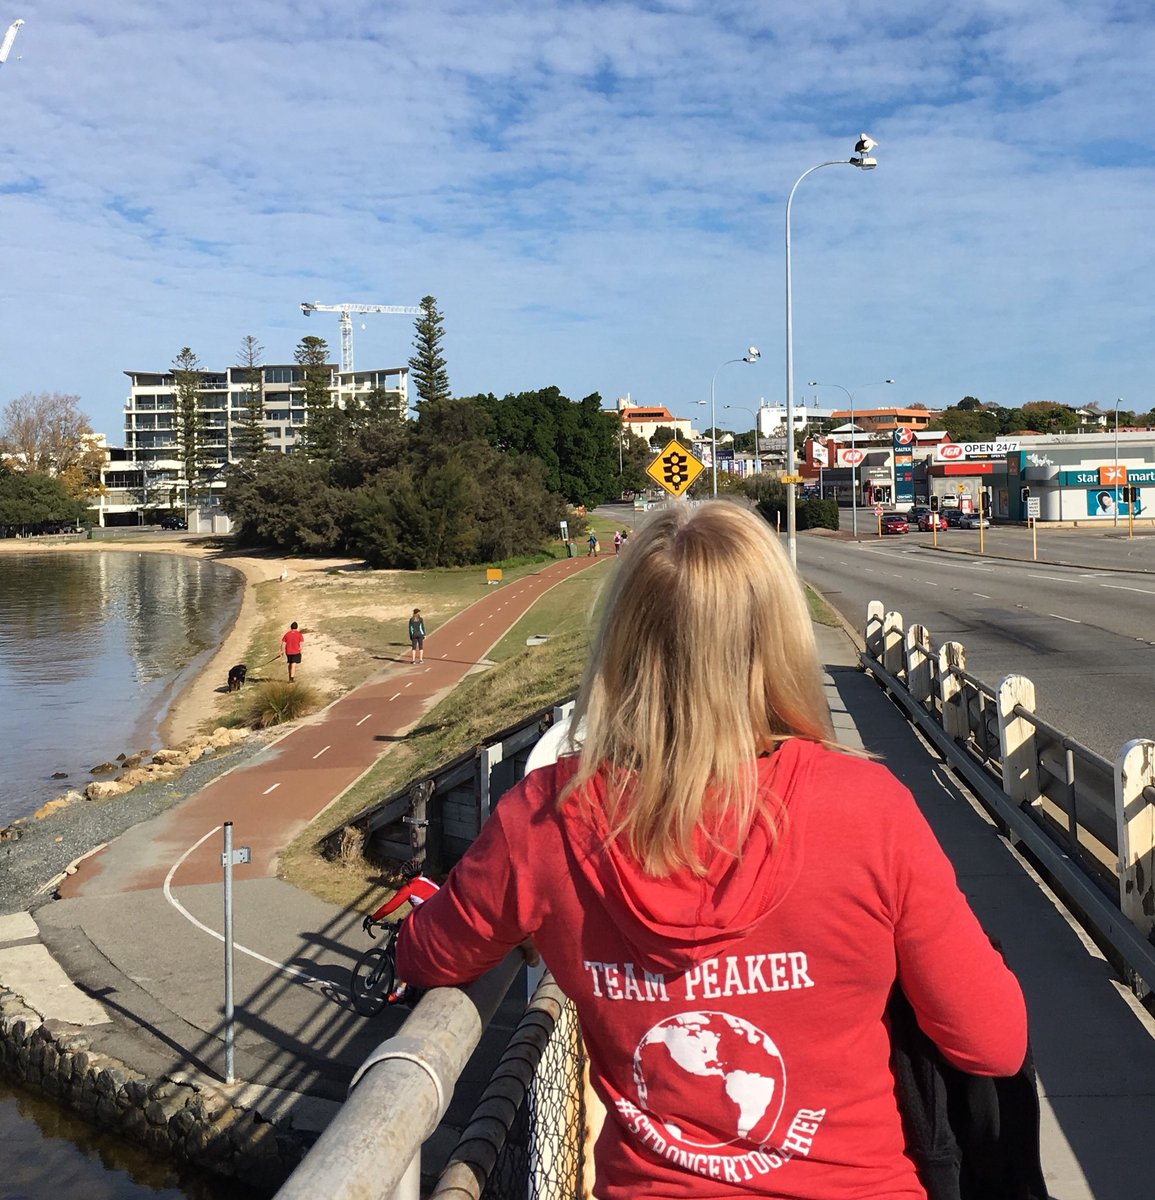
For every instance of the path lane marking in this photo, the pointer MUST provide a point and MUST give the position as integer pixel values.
(394, 697)
(270, 789)
(363, 720)
(304, 976)
(322, 751)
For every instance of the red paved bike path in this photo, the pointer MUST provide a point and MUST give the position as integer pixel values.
(272, 798)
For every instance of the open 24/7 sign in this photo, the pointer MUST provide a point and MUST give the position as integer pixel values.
(675, 468)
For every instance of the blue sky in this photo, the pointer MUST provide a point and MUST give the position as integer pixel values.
(595, 192)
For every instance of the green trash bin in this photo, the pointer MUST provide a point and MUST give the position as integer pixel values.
(571, 549)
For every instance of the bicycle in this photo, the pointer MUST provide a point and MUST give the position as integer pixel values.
(375, 972)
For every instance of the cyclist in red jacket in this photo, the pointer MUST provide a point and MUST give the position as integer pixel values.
(418, 888)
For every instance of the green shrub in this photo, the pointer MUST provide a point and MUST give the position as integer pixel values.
(808, 514)
(275, 703)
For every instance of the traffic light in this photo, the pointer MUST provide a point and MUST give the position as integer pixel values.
(1132, 493)
(1024, 494)
(934, 504)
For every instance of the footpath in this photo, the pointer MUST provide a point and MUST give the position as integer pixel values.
(129, 964)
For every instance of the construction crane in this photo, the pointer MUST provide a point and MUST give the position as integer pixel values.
(346, 311)
(9, 38)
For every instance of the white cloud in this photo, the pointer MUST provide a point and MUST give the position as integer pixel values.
(595, 192)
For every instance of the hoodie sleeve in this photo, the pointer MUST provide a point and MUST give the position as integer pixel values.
(485, 909)
(965, 997)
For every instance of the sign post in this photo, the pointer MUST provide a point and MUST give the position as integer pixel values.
(878, 518)
(229, 859)
(1034, 507)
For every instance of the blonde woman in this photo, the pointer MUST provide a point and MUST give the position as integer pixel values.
(728, 900)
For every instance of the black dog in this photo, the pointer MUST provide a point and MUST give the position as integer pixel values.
(237, 677)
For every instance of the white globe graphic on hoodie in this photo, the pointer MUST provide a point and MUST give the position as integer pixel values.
(705, 1073)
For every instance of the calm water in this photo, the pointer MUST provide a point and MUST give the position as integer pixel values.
(93, 647)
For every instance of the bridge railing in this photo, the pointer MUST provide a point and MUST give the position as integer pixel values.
(1089, 821)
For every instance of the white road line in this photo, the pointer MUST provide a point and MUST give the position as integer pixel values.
(270, 789)
(363, 720)
(184, 912)
(445, 655)
(1052, 578)
(1061, 618)
(930, 583)
(320, 752)
(981, 595)
(1119, 587)
(409, 684)
(456, 644)
(394, 697)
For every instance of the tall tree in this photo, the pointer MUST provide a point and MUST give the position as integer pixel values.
(312, 355)
(248, 431)
(427, 366)
(190, 428)
(46, 432)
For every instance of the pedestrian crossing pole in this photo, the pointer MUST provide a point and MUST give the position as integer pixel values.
(228, 859)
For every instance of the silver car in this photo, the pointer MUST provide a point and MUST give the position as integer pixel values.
(973, 520)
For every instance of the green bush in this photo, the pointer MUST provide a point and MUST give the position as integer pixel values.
(808, 514)
(275, 703)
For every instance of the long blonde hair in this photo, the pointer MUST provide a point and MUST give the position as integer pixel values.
(705, 659)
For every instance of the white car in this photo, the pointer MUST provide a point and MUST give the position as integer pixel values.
(973, 521)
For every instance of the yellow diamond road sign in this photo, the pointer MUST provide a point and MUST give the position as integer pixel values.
(675, 468)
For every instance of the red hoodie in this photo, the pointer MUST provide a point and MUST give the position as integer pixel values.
(735, 1022)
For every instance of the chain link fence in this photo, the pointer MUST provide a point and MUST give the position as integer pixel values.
(525, 1140)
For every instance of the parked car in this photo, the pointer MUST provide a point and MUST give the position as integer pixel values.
(894, 523)
(929, 520)
(173, 521)
(973, 520)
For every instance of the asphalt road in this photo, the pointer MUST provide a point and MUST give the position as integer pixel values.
(1084, 634)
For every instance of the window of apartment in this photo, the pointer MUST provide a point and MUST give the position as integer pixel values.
(281, 375)
(276, 414)
(144, 403)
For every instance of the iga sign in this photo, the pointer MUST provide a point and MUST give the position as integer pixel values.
(852, 457)
(964, 451)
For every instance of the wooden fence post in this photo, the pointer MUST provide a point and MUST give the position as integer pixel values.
(1018, 744)
(892, 639)
(950, 691)
(1135, 825)
(919, 664)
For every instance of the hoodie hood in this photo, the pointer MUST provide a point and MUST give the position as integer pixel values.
(674, 921)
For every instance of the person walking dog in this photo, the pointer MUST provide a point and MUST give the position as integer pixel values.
(291, 642)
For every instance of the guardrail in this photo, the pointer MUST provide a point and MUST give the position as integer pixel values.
(1089, 822)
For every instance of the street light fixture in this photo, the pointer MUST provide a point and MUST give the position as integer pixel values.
(862, 160)
(853, 431)
(752, 355)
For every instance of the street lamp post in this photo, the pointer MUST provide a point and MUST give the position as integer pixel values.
(862, 160)
(752, 355)
(1116, 513)
(853, 431)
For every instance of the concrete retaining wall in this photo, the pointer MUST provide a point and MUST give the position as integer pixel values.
(193, 1121)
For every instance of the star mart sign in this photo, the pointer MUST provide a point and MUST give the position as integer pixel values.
(958, 451)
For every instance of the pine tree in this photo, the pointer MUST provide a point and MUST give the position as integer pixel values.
(186, 370)
(312, 354)
(427, 366)
(248, 432)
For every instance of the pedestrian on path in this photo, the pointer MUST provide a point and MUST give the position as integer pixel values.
(592, 552)
(728, 899)
(291, 641)
(417, 636)
(617, 541)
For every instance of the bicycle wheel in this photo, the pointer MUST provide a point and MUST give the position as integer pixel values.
(372, 980)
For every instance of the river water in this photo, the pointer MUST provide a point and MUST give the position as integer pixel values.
(93, 648)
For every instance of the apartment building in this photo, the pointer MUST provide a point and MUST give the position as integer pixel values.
(151, 474)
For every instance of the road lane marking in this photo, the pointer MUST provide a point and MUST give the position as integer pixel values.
(184, 912)
(981, 595)
(1058, 617)
(1119, 587)
(1052, 578)
(270, 789)
(930, 583)
(364, 719)
(322, 751)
